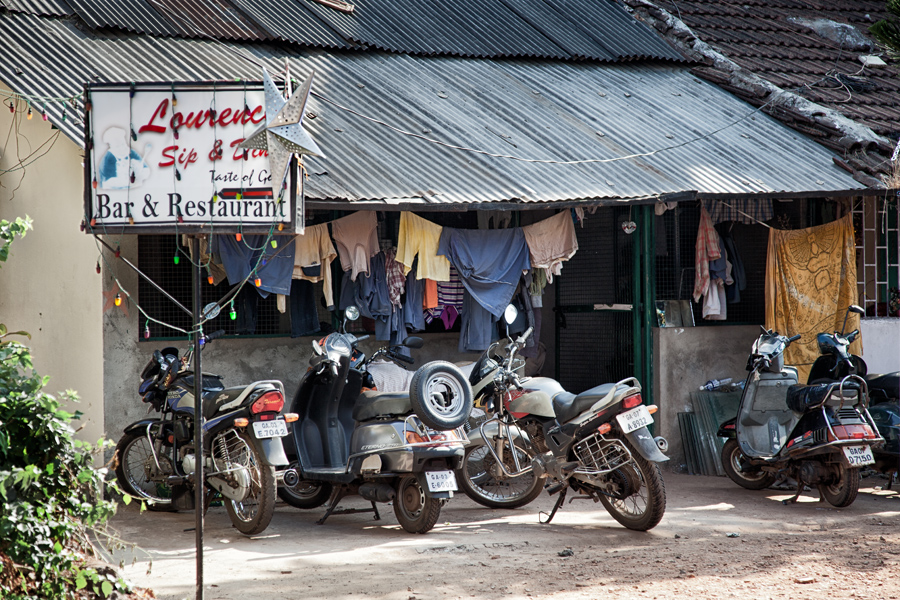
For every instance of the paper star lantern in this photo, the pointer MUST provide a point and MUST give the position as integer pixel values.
(283, 133)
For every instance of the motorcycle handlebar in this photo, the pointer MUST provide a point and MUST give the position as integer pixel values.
(524, 336)
(215, 335)
(400, 357)
(793, 338)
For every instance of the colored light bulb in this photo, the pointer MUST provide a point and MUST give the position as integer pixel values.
(257, 282)
(94, 183)
(98, 267)
(130, 220)
(12, 108)
(93, 221)
(210, 279)
(280, 226)
(274, 244)
(232, 314)
(176, 259)
(238, 236)
(133, 134)
(177, 174)
(118, 252)
(215, 198)
(174, 100)
(146, 332)
(118, 300)
(88, 106)
(29, 115)
(238, 196)
(44, 116)
(132, 177)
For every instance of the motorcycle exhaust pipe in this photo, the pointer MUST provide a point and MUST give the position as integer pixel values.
(662, 443)
(290, 477)
(377, 492)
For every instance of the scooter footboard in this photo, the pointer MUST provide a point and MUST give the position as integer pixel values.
(645, 444)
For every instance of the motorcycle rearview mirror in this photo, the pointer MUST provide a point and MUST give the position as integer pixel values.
(414, 342)
(210, 311)
(510, 314)
(317, 349)
(351, 313)
(853, 308)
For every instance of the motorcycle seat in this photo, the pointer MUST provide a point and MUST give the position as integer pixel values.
(371, 405)
(211, 405)
(883, 386)
(567, 406)
(803, 398)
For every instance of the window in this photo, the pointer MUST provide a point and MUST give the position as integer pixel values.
(877, 261)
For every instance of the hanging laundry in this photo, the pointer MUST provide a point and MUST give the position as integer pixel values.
(371, 295)
(749, 210)
(494, 219)
(536, 280)
(431, 294)
(304, 314)
(413, 314)
(396, 278)
(733, 291)
(490, 262)
(356, 237)
(254, 254)
(418, 236)
(705, 249)
(212, 263)
(246, 303)
(478, 329)
(450, 300)
(551, 241)
(313, 255)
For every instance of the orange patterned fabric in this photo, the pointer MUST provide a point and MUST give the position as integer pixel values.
(810, 283)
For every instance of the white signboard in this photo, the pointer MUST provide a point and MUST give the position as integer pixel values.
(163, 157)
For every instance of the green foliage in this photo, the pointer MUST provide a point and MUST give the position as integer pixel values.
(9, 231)
(887, 31)
(49, 490)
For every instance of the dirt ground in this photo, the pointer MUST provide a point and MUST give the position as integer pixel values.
(716, 540)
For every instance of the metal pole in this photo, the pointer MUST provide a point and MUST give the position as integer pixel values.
(199, 479)
(649, 301)
(636, 306)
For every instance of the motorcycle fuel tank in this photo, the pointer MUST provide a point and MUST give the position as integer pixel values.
(536, 398)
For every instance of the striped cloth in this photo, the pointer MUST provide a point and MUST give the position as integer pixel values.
(707, 249)
(450, 293)
(759, 210)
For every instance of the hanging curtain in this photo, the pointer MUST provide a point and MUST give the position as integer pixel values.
(810, 282)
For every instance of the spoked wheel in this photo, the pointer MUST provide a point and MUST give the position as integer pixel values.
(306, 494)
(416, 512)
(441, 395)
(842, 492)
(138, 474)
(478, 481)
(738, 469)
(638, 498)
(254, 513)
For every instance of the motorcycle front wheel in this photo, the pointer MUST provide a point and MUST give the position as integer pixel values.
(639, 498)
(416, 512)
(735, 465)
(254, 513)
(480, 485)
(843, 492)
(134, 464)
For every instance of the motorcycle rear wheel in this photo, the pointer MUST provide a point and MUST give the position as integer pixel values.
(733, 464)
(254, 513)
(482, 487)
(643, 509)
(843, 492)
(306, 494)
(134, 459)
(415, 511)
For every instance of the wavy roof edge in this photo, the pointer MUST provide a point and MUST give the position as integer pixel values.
(605, 30)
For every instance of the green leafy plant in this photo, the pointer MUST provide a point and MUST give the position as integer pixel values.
(887, 31)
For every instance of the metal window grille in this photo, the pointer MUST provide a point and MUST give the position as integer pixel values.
(877, 230)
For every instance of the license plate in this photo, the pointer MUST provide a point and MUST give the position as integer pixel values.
(859, 456)
(270, 429)
(441, 481)
(634, 419)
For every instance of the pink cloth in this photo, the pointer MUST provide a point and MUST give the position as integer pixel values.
(706, 249)
(551, 241)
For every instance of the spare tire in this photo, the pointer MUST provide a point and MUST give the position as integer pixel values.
(441, 395)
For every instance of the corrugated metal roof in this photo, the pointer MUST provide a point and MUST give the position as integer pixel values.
(131, 15)
(212, 18)
(583, 29)
(542, 109)
(53, 8)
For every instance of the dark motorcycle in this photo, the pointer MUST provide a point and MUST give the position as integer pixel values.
(836, 362)
(538, 435)
(818, 434)
(243, 426)
(384, 446)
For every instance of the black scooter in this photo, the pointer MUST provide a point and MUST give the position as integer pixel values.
(384, 446)
(835, 362)
(819, 434)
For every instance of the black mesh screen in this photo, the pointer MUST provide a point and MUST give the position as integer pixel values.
(594, 348)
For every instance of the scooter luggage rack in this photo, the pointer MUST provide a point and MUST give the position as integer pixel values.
(414, 425)
(600, 455)
(863, 401)
(520, 470)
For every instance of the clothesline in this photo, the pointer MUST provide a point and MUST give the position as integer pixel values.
(755, 220)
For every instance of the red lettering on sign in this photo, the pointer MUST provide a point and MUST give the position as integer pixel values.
(160, 113)
(169, 153)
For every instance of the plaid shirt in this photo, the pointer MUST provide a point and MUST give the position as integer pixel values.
(747, 210)
(395, 279)
(707, 249)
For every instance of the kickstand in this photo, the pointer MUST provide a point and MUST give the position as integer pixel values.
(793, 500)
(559, 502)
(336, 496)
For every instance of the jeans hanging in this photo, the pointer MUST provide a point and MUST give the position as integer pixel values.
(304, 316)
(246, 303)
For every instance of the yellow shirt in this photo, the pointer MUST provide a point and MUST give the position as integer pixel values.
(419, 236)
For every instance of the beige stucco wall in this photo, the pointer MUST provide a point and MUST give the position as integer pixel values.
(49, 286)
